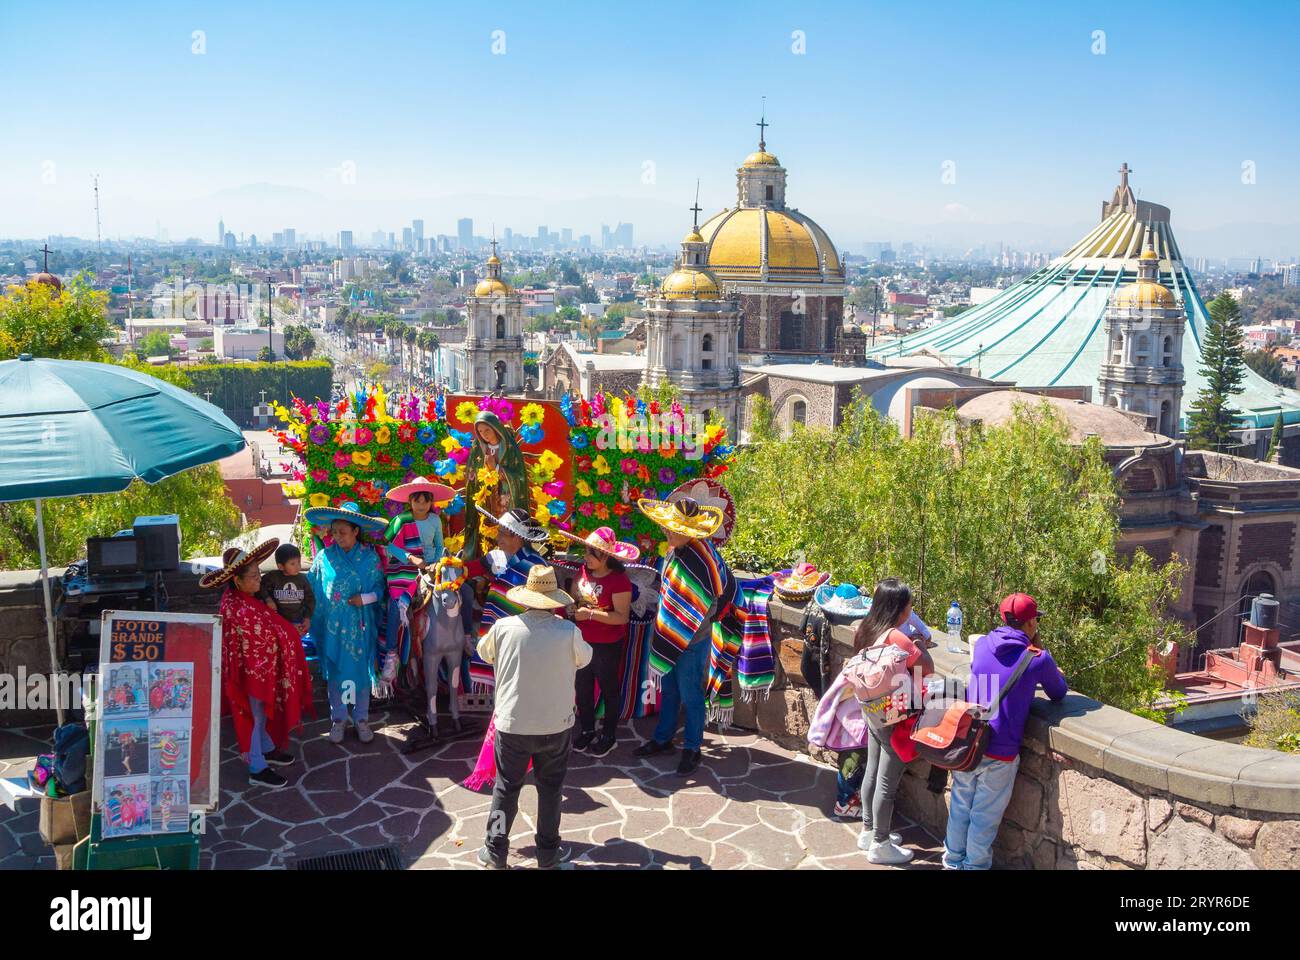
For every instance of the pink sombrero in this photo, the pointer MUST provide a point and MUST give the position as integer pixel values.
(602, 538)
(440, 492)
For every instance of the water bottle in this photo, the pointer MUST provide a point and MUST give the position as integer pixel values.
(954, 628)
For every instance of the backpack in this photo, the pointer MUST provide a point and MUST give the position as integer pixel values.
(71, 747)
(815, 662)
(954, 736)
(880, 679)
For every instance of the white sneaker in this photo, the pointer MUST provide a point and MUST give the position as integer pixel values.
(867, 837)
(364, 733)
(337, 729)
(890, 854)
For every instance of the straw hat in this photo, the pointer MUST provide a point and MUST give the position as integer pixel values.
(798, 583)
(440, 492)
(236, 559)
(541, 592)
(710, 493)
(602, 539)
(519, 522)
(685, 517)
(318, 516)
(845, 600)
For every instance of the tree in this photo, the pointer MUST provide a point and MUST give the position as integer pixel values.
(1211, 419)
(1269, 366)
(266, 355)
(1275, 441)
(967, 514)
(68, 324)
(156, 344)
(299, 343)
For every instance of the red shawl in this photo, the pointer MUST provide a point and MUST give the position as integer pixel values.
(262, 657)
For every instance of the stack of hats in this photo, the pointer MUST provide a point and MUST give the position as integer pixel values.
(797, 584)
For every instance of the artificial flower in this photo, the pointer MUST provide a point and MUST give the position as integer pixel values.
(621, 508)
(448, 443)
(426, 435)
(604, 486)
(319, 434)
(532, 413)
(549, 461)
(628, 465)
(319, 500)
(346, 479)
(586, 508)
(583, 464)
(342, 459)
(555, 488)
(361, 458)
(320, 476)
(430, 454)
(578, 440)
(626, 522)
(531, 433)
(466, 412)
(345, 437)
(487, 476)
(602, 511)
(666, 475)
(556, 507)
(383, 435)
(406, 433)
(601, 465)
(364, 436)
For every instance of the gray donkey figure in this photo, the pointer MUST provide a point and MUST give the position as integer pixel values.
(445, 639)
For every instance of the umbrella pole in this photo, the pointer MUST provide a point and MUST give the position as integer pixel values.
(55, 687)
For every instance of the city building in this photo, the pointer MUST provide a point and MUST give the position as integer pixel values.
(465, 233)
(779, 263)
(345, 240)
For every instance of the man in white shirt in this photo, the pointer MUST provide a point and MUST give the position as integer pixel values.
(536, 656)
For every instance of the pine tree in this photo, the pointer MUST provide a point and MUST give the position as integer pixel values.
(1223, 365)
(1275, 443)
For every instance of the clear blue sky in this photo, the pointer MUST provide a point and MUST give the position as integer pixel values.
(559, 128)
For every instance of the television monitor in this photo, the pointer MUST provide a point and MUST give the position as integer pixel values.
(112, 557)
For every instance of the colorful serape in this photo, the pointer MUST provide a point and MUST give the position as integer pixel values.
(694, 577)
(496, 606)
(744, 657)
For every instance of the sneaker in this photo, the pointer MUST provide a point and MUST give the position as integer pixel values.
(337, 729)
(690, 760)
(602, 745)
(267, 778)
(652, 747)
(583, 740)
(867, 838)
(851, 810)
(487, 859)
(559, 860)
(364, 733)
(278, 758)
(890, 854)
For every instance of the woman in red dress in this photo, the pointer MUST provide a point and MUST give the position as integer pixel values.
(264, 678)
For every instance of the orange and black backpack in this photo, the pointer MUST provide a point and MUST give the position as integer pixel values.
(954, 735)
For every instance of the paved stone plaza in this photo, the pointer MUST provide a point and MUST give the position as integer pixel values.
(751, 804)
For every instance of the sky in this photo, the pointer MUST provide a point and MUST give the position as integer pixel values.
(926, 121)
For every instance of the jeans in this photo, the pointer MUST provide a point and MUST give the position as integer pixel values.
(848, 776)
(549, 754)
(260, 742)
(683, 687)
(979, 798)
(339, 709)
(603, 670)
(880, 783)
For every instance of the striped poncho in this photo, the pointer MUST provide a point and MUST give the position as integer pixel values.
(695, 578)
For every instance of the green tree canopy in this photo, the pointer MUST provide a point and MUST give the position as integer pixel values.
(968, 515)
(69, 324)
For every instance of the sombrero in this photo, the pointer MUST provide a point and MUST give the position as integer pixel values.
(541, 592)
(440, 492)
(350, 512)
(602, 539)
(685, 517)
(798, 583)
(710, 493)
(235, 559)
(846, 600)
(519, 522)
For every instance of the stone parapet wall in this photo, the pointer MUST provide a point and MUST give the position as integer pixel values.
(1098, 788)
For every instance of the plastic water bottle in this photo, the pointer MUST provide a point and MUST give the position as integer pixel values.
(954, 628)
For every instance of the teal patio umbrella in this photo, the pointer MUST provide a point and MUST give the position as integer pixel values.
(73, 427)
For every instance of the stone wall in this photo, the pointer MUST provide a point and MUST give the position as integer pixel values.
(1098, 788)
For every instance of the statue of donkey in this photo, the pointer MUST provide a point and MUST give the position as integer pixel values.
(444, 638)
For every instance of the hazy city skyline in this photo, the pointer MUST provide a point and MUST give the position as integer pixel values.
(958, 128)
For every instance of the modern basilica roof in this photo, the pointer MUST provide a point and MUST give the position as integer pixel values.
(1047, 330)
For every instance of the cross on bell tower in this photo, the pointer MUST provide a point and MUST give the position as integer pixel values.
(762, 126)
(47, 251)
(1124, 171)
(696, 209)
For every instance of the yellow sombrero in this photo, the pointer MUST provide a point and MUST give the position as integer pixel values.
(685, 516)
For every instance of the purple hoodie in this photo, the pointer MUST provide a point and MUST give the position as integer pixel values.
(993, 663)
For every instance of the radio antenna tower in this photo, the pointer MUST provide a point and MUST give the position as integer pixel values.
(99, 241)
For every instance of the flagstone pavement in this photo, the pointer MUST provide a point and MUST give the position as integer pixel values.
(751, 804)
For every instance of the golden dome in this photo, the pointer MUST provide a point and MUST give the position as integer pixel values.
(690, 285)
(1145, 294)
(1148, 254)
(493, 259)
(761, 158)
(795, 245)
(491, 288)
(693, 237)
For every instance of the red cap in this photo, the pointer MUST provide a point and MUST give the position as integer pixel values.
(1019, 606)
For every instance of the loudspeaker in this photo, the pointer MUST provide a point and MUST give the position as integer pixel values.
(160, 542)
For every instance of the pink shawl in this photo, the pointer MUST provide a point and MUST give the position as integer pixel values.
(838, 723)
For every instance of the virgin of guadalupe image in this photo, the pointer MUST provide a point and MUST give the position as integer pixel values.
(496, 448)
